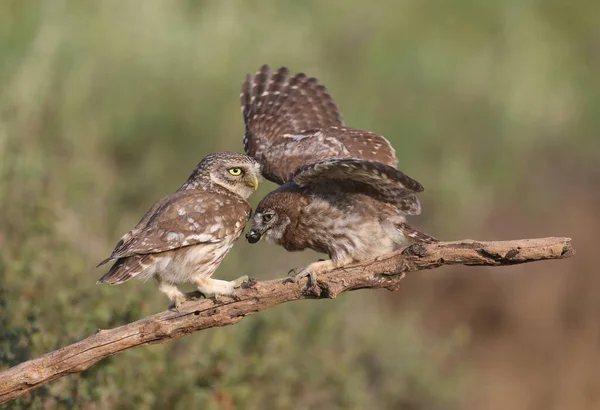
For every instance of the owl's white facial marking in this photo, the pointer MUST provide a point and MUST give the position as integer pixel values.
(241, 178)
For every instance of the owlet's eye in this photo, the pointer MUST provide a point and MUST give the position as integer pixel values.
(236, 172)
(267, 217)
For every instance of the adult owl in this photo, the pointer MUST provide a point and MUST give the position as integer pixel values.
(185, 236)
(341, 193)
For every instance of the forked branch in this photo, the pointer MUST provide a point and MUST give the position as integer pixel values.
(385, 272)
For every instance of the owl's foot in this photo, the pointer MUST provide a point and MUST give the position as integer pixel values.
(296, 275)
(177, 301)
(196, 294)
(173, 292)
(215, 289)
(240, 281)
(237, 284)
(249, 283)
(310, 272)
(243, 282)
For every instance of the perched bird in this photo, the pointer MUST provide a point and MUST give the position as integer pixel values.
(293, 121)
(185, 236)
(351, 209)
(341, 193)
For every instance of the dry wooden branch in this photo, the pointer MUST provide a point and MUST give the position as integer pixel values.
(385, 272)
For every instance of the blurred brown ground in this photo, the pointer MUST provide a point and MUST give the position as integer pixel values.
(535, 328)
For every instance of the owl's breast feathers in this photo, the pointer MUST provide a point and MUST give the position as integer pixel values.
(337, 206)
(333, 221)
(177, 222)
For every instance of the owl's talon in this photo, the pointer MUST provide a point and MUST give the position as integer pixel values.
(249, 283)
(291, 276)
(295, 274)
(312, 282)
(177, 302)
(185, 297)
(196, 294)
(304, 273)
(243, 282)
(240, 281)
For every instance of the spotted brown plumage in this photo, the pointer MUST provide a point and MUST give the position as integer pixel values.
(353, 210)
(293, 121)
(185, 236)
(341, 193)
(373, 178)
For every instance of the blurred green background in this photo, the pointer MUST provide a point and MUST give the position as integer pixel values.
(494, 107)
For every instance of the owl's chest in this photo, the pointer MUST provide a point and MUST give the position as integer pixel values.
(195, 260)
(326, 225)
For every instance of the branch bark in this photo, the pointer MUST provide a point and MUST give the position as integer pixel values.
(385, 272)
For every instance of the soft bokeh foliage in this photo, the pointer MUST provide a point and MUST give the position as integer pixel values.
(106, 106)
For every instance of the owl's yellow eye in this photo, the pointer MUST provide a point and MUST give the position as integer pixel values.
(236, 172)
(267, 217)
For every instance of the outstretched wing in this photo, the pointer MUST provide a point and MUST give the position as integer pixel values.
(181, 219)
(274, 105)
(293, 151)
(292, 121)
(382, 181)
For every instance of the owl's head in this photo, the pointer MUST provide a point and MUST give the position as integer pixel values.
(272, 217)
(238, 173)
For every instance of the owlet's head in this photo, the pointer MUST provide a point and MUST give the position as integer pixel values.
(272, 217)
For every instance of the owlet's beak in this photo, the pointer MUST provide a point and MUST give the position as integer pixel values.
(253, 236)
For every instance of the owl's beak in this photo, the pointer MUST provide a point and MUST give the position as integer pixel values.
(252, 236)
(253, 183)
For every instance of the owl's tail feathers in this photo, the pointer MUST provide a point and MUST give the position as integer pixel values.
(414, 235)
(125, 269)
(274, 104)
(403, 234)
(105, 261)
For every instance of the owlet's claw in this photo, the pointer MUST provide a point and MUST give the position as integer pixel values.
(311, 271)
(303, 273)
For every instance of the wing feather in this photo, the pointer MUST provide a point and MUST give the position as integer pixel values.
(376, 179)
(181, 219)
(293, 121)
(277, 105)
(127, 268)
(297, 150)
